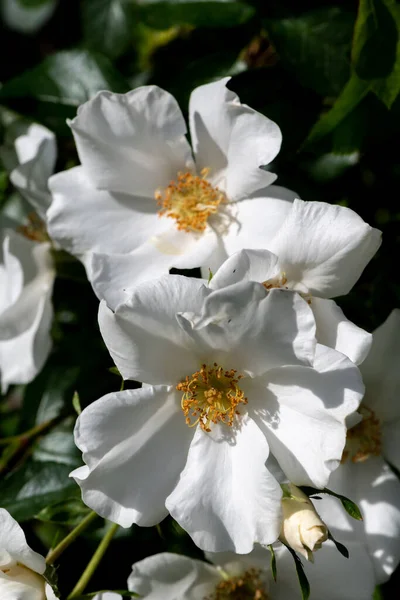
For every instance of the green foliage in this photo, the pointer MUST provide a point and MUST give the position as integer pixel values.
(107, 25)
(315, 47)
(201, 13)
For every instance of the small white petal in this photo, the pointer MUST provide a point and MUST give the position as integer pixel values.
(13, 540)
(134, 444)
(325, 247)
(246, 265)
(132, 142)
(226, 499)
(144, 337)
(335, 331)
(168, 576)
(232, 139)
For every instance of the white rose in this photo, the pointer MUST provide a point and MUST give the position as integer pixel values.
(302, 529)
(21, 569)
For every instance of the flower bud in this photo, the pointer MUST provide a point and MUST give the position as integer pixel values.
(302, 529)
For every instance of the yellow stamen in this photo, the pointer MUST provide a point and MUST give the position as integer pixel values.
(365, 439)
(211, 395)
(279, 282)
(245, 587)
(190, 201)
(35, 229)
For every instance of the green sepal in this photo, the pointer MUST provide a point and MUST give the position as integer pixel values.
(301, 576)
(273, 562)
(340, 547)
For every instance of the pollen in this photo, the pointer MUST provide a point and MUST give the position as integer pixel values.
(190, 200)
(365, 439)
(211, 395)
(35, 229)
(245, 587)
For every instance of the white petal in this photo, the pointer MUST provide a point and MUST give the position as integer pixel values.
(247, 328)
(171, 577)
(335, 331)
(381, 371)
(105, 596)
(36, 154)
(303, 415)
(232, 139)
(246, 265)
(13, 540)
(325, 247)
(134, 142)
(226, 499)
(391, 442)
(376, 490)
(115, 276)
(134, 444)
(256, 220)
(50, 595)
(82, 218)
(144, 337)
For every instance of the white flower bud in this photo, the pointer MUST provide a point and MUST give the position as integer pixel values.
(302, 529)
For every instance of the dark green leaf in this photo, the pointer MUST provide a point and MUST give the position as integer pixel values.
(107, 25)
(202, 13)
(387, 89)
(66, 78)
(375, 39)
(51, 577)
(273, 562)
(340, 547)
(352, 94)
(34, 3)
(66, 512)
(377, 594)
(34, 486)
(315, 47)
(303, 581)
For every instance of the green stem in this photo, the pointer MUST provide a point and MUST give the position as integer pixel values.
(71, 537)
(32, 433)
(94, 563)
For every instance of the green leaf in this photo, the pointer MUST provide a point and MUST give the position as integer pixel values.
(76, 403)
(34, 486)
(66, 78)
(350, 507)
(301, 576)
(315, 47)
(377, 594)
(387, 89)
(273, 562)
(107, 26)
(201, 13)
(354, 91)
(375, 39)
(66, 512)
(34, 3)
(340, 547)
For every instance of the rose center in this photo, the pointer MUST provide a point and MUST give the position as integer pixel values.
(280, 281)
(35, 229)
(211, 395)
(245, 587)
(365, 439)
(190, 201)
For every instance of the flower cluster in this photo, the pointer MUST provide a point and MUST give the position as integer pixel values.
(252, 394)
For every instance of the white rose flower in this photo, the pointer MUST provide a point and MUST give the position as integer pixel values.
(364, 476)
(21, 569)
(232, 375)
(302, 529)
(141, 193)
(173, 577)
(30, 155)
(320, 251)
(26, 283)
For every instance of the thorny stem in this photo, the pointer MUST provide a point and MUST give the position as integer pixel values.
(71, 537)
(94, 562)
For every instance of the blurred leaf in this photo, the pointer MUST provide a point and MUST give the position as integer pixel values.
(34, 486)
(375, 39)
(66, 78)
(76, 403)
(27, 16)
(67, 512)
(201, 13)
(315, 47)
(330, 166)
(58, 445)
(387, 89)
(107, 25)
(352, 94)
(34, 3)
